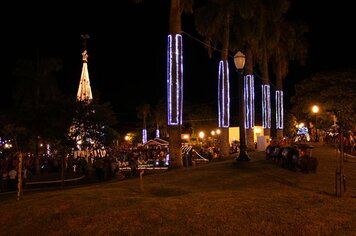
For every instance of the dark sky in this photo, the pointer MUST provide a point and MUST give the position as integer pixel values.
(127, 48)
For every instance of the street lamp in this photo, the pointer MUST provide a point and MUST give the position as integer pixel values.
(315, 110)
(239, 60)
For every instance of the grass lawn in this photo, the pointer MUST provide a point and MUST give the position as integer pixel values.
(219, 198)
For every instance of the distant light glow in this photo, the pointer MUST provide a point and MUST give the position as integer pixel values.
(249, 101)
(266, 106)
(144, 136)
(279, 109)
(157, 133)
(167, 160)
(223, 94)
(175, 83)
(315, 109)
(201, 134)
(48, 149)
(185, 136)
(258, 130)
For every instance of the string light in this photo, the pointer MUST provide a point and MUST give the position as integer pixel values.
(223, 95)
(279, 109)
(266, 106)
(249, 101)
(144, 135)
(175, 88)
(157, 133)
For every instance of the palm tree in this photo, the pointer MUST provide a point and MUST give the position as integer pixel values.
(215, 21)
(175, 80)
(249, 31)
(36, 88)
(143, 112)
(290, 45)
(160, 118)
(270, 12)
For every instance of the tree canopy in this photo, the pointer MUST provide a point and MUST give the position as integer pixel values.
(334, 92)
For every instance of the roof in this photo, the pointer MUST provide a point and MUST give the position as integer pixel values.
(156, 141)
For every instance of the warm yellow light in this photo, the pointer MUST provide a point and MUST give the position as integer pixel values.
(213, 133)
(301, 125)
(41, 145)
(218, 131)
(185, 136)
(78, 142)
(258, 130)
(315, 109)
(239, 60)
(127, 138)
(201, 134)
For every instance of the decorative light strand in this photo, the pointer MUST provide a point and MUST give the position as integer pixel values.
(223, 95)
(175, 88)
(144, 136)
(157, 133)
(279, 109)
(219, 91)
(266, 106)
(249, 101)
(84, 91)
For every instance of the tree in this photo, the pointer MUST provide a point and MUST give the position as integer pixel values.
(160, 117)
(143, 112)
(248, 30)
(36, 88)
(175, 80)
(199, 116)
(215, 21)
(334, 91)
(92, 125)
(270, 12)
(290, 44)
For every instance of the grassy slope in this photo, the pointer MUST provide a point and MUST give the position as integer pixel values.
(255, 198)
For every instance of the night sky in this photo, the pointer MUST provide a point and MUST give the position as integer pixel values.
(127, 48)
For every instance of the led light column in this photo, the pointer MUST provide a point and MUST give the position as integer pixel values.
(266, 106)
(144, 136)
(224, 95)
(175, 79)
(249, 101)
(279, 109)
(157, 133)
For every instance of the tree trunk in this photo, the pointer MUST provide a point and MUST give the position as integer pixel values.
(175, 25)
(279, 101)
(250, 143)
(224, 142)
(266, 99)
(224, 94)
(175, 147)
(174, 85)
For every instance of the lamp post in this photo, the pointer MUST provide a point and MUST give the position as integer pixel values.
(239, 60)
(315, 110)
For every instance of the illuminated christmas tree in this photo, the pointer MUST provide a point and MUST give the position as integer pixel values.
(84, 90)
(85, 131)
